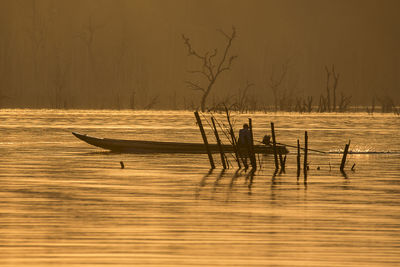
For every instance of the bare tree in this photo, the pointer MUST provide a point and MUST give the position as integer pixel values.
(308, 104)
(210, 70)
(344, 102)
(38, 34)
(60, 81)
(153, 101)
(87, 36)
(132, 100)
(387, 104)
(331, 85)
(372, 110)
(243, 98)
(4, 48)
(276, 82)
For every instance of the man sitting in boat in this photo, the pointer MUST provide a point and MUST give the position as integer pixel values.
(266, 140)
(244, 143)
(244, 136)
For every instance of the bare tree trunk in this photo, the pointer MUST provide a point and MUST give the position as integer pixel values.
(275, 83)
(335, 84)
(328, 93)
(209, 69)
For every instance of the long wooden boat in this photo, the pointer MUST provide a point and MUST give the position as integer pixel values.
(139, 146)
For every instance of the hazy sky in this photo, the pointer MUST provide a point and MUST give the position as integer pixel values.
(97, 52)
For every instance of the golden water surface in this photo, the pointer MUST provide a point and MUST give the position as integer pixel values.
(65, 203)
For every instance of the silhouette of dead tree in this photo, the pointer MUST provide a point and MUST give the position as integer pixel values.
(308, 104)
(242, 102)
(153, 101)
(372, 110)
(210, 70)
(299, 106)
(329, 85)
(60, 82)
(387, 104)
(132, 99)
(275, 84)
(3, 97)
(344, 102)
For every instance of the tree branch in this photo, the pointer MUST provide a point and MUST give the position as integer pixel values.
(228, 46)
(191, 51)
(195, 86)
(202, 72)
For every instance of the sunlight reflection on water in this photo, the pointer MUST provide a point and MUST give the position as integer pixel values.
(64, 202)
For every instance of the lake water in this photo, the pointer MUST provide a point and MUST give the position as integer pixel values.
(65, 203)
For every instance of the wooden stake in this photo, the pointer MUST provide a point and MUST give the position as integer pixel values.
(305, 154)
(221, 151)
(234, 142)
(250, 149)
(298, 158)
(274, 146)
(346, 150)
(203, 134)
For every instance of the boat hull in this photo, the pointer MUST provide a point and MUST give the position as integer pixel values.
(138, 146)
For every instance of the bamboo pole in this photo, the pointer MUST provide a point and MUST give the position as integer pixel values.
(233, 137)
(346, 150)
(251, 147)
(274, 146)
(309, 149)
(221, 151)
(298, 158)
(305, 154)
(203, 134)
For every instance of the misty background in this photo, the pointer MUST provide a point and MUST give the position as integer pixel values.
(130, 53)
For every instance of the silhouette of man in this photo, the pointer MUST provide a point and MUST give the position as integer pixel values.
(244, 136)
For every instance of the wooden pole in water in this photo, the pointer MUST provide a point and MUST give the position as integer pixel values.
(346, 150)
(298, 158)
(234, 142)
(221, 151)
(274, 146)
(305, 153)
(251, 147)
(203, 134)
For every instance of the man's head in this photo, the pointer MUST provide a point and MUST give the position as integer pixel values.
(266, 140)
(245, 126)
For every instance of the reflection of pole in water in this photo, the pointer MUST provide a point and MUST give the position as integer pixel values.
(219, 177)
(250, 178)
(283, 162)
(203, 182)
(234, 177)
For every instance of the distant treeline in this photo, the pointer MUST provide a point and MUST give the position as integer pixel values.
(114, 55)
